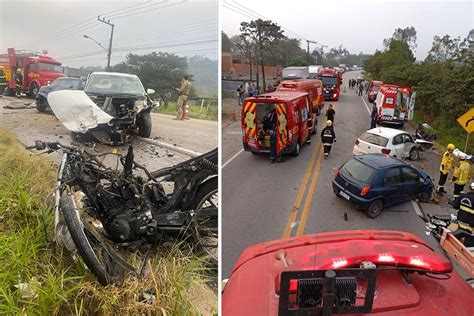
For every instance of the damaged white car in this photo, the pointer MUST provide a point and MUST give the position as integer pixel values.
(390, 141)
(111, 107)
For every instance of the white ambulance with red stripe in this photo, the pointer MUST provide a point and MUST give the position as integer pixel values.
(395, 105)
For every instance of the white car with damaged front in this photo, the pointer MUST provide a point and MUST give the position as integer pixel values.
(389, 141)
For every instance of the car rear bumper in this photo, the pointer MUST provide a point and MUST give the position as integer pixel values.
(356, 200)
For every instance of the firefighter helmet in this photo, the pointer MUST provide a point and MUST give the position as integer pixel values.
(328, 122)
(450, 147)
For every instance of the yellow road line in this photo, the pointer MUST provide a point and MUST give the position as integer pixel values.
(309, 197)
(301, 191)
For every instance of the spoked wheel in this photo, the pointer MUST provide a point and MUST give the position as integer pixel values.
(97, 252)
(205, 204)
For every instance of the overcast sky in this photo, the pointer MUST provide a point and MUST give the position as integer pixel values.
(188, 27)
(359, 25)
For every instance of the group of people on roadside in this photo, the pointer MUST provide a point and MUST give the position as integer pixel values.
(245, 90)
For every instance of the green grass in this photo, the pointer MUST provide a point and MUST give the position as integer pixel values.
(61, 285)
(207, 113)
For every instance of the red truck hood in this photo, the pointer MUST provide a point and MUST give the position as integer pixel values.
(253, 286)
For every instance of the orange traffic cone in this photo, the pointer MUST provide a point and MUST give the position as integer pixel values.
(186, 113)
(234, 116)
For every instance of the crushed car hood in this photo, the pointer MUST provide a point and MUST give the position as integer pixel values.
(76, 110)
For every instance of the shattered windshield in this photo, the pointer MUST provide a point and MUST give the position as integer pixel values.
(112, 84)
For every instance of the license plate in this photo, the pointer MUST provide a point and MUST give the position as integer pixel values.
(344, 195)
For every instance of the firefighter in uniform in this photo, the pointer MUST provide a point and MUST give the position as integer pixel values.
(183, 97)
(444, 168)
(465, 216)
(18, 82)
(270, 126)
(3, 80)
(460, 176)
(328, 136)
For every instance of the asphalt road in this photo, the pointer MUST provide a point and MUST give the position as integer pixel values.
(263, 201)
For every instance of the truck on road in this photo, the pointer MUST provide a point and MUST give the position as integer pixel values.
(332, 80)
(38, 69)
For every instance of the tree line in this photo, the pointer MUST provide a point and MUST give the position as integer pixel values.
(443, 81)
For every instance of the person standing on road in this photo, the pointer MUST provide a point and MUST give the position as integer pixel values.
(18, 82)
(460, 176)
(250, 89)
(465, 205)
(183, 97)
(373, 117)
(361, 88)
(445, 168)
(240, 95)
(328, 137)
(269, 125)
(3, 80)
(330, 113)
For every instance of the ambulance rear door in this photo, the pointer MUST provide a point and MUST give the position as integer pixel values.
(281, 127)
(249, 124)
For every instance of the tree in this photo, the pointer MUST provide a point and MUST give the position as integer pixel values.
(246, 46)
(160, 71)
(445, 48)
(406, 35)
(283, 52)
(227, 45)
(263, 33)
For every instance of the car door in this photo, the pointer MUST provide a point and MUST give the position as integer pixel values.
(411, 182)
(397, 146)
(408, 144)
(393, 186)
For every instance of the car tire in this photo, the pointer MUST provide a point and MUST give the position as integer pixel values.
(297, 149)
(425, 196)
(8, 92)
(41, 104)
(374, 209)
(144, 124)
(33, 90)
(414, 154)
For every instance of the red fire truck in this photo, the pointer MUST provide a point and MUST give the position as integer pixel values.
(332, 80)
(38, 69)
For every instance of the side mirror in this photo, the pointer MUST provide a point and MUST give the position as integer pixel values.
(150, 91)
(421, 180)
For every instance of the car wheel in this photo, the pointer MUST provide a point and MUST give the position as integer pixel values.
(144, 124)
(41, 104)
(425, 196)
(33, 90)
(414, 154)
(297, 149)
(374, 209)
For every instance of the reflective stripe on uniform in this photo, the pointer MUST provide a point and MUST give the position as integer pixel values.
(327, 135)
(464, 226)
(466, 209)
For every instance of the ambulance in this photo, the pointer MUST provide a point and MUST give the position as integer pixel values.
(292, 110)
(395, 105)
(315, 90)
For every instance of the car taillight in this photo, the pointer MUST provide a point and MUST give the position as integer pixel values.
(337, 173)
(365, 190)
(357, 141)
(386, 151)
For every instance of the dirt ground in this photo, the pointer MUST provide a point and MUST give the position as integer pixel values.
(196, 135)
(229, 105)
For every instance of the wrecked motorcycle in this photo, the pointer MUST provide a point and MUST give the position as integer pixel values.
(114, 217)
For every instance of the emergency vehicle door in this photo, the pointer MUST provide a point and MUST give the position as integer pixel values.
(249, 124)
(411, 106)
(281, 127)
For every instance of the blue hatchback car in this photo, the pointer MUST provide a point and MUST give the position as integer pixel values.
(375, 180)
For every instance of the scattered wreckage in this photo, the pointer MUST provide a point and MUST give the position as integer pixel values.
(101, 212)
(111, 107)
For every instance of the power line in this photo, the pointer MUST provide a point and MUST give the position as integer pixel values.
(165, 6)
(121, 13)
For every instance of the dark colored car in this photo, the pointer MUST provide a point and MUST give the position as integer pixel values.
(64, 83)
(375, 180)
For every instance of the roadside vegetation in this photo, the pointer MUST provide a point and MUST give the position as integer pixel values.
(37, 278)
(208, 111)
(443, 82)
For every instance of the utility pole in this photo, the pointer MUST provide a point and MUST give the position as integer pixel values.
(308, 55)
(109, 53)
